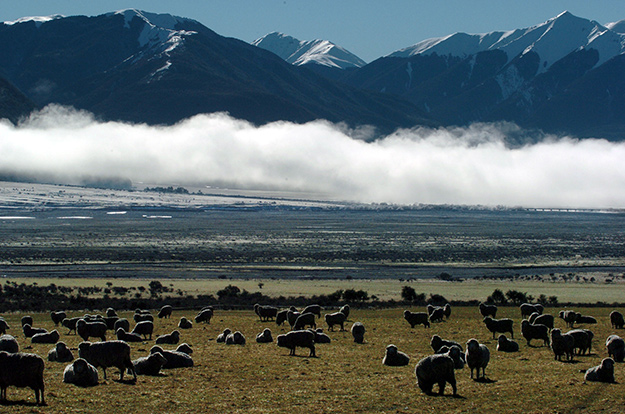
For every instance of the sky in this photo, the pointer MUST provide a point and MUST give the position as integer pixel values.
(367, 28)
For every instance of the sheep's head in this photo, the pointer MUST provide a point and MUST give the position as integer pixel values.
(607, 364)
(472, 344)
(155, 349)
(391, 350)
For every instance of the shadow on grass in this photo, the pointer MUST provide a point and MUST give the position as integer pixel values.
(126, 381)
(485, 380)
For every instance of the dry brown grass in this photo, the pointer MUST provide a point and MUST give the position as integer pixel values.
(344, 378)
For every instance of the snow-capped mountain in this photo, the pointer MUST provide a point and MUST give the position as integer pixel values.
(303, 52)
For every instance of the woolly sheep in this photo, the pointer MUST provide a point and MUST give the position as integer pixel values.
(144, 328)
(110, 322)
(616, 319)
(603, 372)
(57, 317)
(584, 319)
(291, 317)
(88, 330)
(293, 339)
(175, 359)
(81, 373)
(358, 332)
(438, 315)
(616, 347)
(9, 344)
(447, 310)
(314, 309)
(568, 316)
(3, 326)
(27, 319)
(477, 356)
(185, 349)
(150, 365)
(527, 309)
(395, 358)
(264, 337)
(172, 338)
(30, 331)
(336, 318)
(108, 354)
(110, 312)
(185, 323)
(306, 319)
(530, 332)
(436, 369)
(506, 345)
(436, 342)
(499, 326)
(122, 323)
(22, 370)
(204, 316)
(455, 353)
(265, 313)
(142, 315)
(544, 319)
(46, 338)
(165, 312)
(320, 337)
(235, 338)
(60, 353)
(70, 323)
(488, 310)
(122, 335)
(583, 340)
(431, 308)
(345, 309)
(281, 317)
(222, 336)
(417, 318)
(562, 344)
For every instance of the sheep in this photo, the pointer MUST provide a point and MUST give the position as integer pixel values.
(544, 319)
(150, 365)
(281, 317)
(27, 319)
(395, 358)
(438, 315)
(110, 312)
(291, 317)
(320, 337)
(584, 319)
(336, 318)
(455, 353)
(488, 310)
(108, 354)
(293, 339)
(81, 373)
(616, 347)
(568, 317)
(87, 330)
(30, 331)
(506, 345)
(530, 332)
(165, 312)
(22, 370)
(144, 328)
(431, 308)
(417, 318)
(60, 353)
(172, 338)
(9, 344)
(204, 316)
(141, 315)
(185, 323)
(562, 344)
(616, 319)
(306, 319)
(314, 309)
(358, 332)
(222, 336)
(436, 342)
(122, 323)
(3, 326)
(185, 349)
(174, 359)
(264, 337)
(436, 369)
(122, 335)
(265, 313)
(601, 373)
(235, 338)
(70, 323)
(110, 322)
(345, 310)
(477, 356)
(46, 338)
(57, 317)
(499, 325)
(447, 310)
(527, 309)
(583, 340)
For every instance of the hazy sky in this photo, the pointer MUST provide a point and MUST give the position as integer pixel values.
(368, 28)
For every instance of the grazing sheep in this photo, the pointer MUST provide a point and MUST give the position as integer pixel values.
(81, 373)
(562, 344)
(488, 310)
(603, 372)
(395, 358)
(336, 318)
(150, 365)
(438, 315)
(584, 319)
(281, 317)
(22, 370)
(527, 309)
(175, 359)
(506, 345)
(436, 369)
(530, 332)
(235, 338)
(499, 325)
(417, 318)
(144, 328)
(222, 336)
(60, 353)
(88, 330)
(447, 310)
(264, 337)
(70, 323)
(431, 308)
(291, 317)
(544, 319)
(204, 316)
(616, 319)
(9, 344)
(293, 339)
(477, 356)
(108, 354)
(314, 309)
(568, 317)
(122, 335)
(172, 338)
(185, 323)
(57, 317)
(616, 347)
(185, 349)
(110, 312)
(345, 310)
(306, 319)
(437, 343)
(455, 353)
(583, 340)
(3, 326)
(265, 313)
(320, 337)
(30, 331)
(165, 312)
(358, 332)
(142, 315)
(122, 323)
(46, 338)
(27, 319)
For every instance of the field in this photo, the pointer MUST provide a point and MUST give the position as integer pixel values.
(345, 377)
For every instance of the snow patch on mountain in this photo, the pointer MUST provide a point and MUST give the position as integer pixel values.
(39, 20)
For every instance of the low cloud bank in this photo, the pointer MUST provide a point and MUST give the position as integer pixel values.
(432, 166)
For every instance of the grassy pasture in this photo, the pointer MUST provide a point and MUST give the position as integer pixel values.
(344, 378)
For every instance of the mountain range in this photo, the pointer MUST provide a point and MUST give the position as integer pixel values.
(563, 76)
